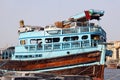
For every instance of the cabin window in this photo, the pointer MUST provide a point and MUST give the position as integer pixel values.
(22, 42)
(56, 39)
(40, 55)
(28, 56)
(66, 39)
(39, 41)
(73, 38)
(95, 37)
(25, 56)
(50, 40)
(35, 41)
(85, 37)
(18, 56)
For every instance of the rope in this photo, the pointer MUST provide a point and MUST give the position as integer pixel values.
(94, 72)
(3, 64)
(85, 70)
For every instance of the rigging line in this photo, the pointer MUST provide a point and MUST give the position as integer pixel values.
(85, 70)
(5, 62)
(97, 73)
(1, 65)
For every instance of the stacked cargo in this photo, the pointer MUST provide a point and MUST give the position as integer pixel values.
(82, 18)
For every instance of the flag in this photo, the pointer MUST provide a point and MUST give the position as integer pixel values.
(87, 14)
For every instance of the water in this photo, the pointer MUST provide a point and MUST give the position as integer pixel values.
(112, 74)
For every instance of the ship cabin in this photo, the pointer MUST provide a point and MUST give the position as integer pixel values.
(51, 41)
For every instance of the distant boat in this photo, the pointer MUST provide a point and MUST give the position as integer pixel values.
(70, 47)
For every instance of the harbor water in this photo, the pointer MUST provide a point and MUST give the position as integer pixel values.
(112, 74)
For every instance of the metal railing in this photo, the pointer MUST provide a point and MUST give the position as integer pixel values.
(61, 46)
(77, 29)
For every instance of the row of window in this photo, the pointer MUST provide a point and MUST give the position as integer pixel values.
(57, 39)
(29, 56)
(52, 40)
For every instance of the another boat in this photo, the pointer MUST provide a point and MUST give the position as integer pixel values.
(70, 47)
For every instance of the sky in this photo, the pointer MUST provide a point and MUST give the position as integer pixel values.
(45, 12)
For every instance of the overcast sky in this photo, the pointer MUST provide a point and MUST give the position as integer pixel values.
(45, 12)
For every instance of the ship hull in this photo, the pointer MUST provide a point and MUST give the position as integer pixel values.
(96, 72)
(76, 64)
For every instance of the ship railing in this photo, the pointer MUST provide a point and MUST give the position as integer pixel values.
(59, 46)
(70, 30)
(75, 30)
